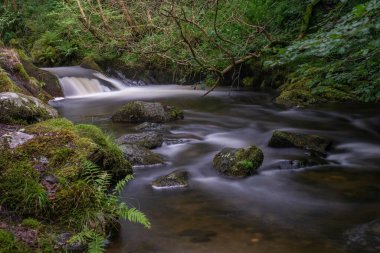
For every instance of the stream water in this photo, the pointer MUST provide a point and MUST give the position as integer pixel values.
(284, 211)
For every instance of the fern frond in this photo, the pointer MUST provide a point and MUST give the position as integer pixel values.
(121, 184)
(133, 215)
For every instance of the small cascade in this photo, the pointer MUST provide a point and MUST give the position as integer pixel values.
(78, 81)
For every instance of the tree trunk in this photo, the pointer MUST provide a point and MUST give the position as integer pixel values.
(307, 17)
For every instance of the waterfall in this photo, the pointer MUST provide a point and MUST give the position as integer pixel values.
(78, 81)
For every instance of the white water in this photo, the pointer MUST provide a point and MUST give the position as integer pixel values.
(78, 81)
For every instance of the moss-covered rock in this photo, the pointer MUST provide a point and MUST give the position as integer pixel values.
(147, 140)
(296, 93)
(139, 111)
(23, 74)
(89, 63)
(283, 139)
(62, 175)
(238, 162)
(6, 84)
(17, 108)
(177, 178)
(73, 143)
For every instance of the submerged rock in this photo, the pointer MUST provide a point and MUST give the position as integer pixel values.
(177, 178)
(147, 140)
(152, 127)
(139, 156)
(238, 162)
(364, 238)
(139, 111)
(296, 164)
(17, 108)
(283, 139)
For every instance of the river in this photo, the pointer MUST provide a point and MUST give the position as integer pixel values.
(274, 211)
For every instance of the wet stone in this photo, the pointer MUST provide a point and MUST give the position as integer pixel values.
(178, 178)
(147, 140)
(364, 238)
(152, 127)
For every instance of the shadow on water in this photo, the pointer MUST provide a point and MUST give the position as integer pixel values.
(299, 210)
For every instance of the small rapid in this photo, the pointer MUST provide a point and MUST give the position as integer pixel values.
(78, 81)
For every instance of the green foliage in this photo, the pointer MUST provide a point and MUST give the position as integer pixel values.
(9, 244)
(21, 191)
(337, 63)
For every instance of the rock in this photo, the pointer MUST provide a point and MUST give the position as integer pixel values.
(139, 111)
(178, 178)
(364, 238)
(52, 86)
(89, 63)
(147, 140)
(26, 235)
(238, 162)
(296, 164)
(154, 127)
(17, 108)
(15, 139)
(139, 156)
(62, 242)
(176, 141)
(283, 139)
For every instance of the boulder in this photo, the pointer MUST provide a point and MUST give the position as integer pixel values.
(140, 156)
(139, 111)
(177, 178)
(147, 140)
(238, 162)
(283, 139)
(364, 238)
(152, 127)
(15, 139)
(17, 108)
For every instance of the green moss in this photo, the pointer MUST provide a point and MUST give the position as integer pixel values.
(81, 198)
(20, 189)
(31, 223)
(109, 155)
(52, 125)
(8, 243)
(6, 84)
(248, 81)
(19, 68)
(175, 113)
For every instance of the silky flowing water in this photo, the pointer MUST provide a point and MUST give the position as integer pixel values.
(274, 211)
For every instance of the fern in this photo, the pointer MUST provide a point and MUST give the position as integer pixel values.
(133, 215)
(121, 184)
(93, 174)
(94, 240)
